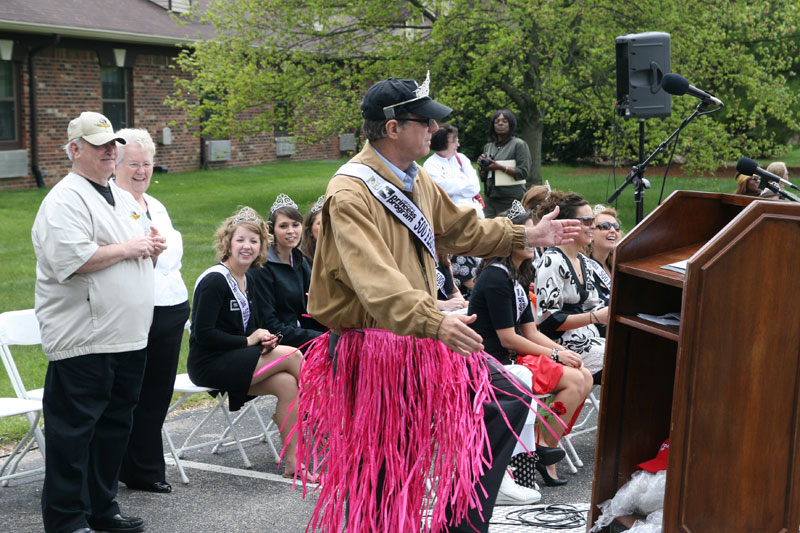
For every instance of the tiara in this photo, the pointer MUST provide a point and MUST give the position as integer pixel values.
(282, 200)
(245, 214)
(515, 210)
(318, 204)
(599, 207)
(422, 91)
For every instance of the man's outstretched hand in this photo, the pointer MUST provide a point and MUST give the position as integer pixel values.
(552, 232)
(458, 336)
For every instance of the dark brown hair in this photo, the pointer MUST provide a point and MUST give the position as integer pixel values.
(440, 139)
(567, 202)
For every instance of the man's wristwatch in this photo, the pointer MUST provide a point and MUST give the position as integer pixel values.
(554, 355)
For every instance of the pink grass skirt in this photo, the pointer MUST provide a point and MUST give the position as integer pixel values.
(409, 405)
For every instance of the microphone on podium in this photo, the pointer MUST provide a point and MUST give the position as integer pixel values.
(748, 167)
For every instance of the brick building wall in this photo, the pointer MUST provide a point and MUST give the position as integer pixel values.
(69, 82)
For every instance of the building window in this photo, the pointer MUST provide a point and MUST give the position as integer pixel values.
(9, 106)
(115, 96)
(281, 119)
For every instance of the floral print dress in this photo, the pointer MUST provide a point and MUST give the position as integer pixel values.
(558, 295)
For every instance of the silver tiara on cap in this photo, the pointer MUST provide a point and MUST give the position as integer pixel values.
(245, 214)
(422, 91)
(515, 210)
(282, 200)
(318, 204)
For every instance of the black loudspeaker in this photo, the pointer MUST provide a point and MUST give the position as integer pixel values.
(642, 60)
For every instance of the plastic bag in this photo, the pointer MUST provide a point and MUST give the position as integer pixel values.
(651, 525)
(643, 494)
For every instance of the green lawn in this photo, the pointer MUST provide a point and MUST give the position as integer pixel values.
(197, 201)
(791, 158)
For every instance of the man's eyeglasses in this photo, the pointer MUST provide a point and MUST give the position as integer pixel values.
(427, 121)
(588, 220)
(608, 225)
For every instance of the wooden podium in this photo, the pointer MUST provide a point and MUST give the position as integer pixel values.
(725, 385)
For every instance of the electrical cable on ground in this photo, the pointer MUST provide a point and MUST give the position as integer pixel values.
(557, 516)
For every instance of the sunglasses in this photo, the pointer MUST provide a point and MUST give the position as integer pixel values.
(608, 225)
(427, 121)
(588, 220)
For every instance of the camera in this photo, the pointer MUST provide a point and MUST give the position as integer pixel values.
(484, 162)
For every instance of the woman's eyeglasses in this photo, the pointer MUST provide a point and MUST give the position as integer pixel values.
(608, 225)
(588, 220)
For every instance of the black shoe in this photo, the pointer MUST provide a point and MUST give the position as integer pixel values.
(549, 456)
(161, 487)
(118, 524)
(84, 530)
(549, 481)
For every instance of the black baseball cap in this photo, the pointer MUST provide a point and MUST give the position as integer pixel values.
(394, 97)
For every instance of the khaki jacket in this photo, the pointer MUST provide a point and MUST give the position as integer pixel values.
(371, 272)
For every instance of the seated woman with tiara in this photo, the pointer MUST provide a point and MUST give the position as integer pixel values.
(600, 252)
(308, 244)
(568, 306)
(280, 284)
(228, 351)
(506, 323)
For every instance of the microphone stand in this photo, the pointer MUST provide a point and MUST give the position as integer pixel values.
(636, 175)
(766, 183)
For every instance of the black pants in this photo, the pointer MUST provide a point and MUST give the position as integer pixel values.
(501, 441)
(88, 408)
(143, 463)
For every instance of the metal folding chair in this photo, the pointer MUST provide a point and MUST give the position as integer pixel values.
(229, 437)
(19, 328)
(591, 406)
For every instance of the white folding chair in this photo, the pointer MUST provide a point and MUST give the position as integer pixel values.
(590, 407)
(19, 328)
(229, 437)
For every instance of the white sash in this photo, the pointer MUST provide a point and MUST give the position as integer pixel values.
(598, 269)
(520, 295)
(394, 201)
(440, 279)
(241, 299)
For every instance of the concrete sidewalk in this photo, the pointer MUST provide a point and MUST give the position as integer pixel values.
(223, 496)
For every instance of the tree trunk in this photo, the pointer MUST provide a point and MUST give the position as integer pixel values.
(531, 131)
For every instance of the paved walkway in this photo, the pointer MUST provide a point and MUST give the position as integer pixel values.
(224, 496)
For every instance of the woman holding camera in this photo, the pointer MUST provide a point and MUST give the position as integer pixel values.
(504, 164)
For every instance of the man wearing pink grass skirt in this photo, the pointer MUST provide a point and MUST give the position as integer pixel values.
(398, 397)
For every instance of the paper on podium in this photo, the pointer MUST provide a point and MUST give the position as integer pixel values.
(501, 179)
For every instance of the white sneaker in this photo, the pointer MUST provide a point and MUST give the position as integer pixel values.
(512, 494)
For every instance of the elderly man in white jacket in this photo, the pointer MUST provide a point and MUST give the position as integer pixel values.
(94, 301)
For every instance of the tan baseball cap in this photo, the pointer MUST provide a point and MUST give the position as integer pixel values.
(94, 128)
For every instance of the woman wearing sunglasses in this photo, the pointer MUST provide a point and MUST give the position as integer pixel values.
(747, 185)
(601, 251)
(568, 306)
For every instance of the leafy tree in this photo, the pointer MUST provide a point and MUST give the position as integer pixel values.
(550, 61)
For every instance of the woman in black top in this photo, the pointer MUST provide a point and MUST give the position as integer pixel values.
(505, 322)
(226, 347)
(280, 285)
